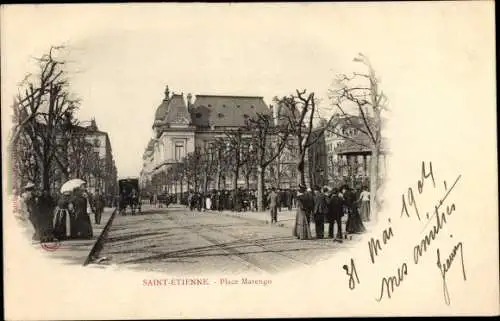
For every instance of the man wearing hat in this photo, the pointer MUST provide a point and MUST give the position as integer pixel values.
(320, 211)
(273, 200)
(335, 213)
(29, 207)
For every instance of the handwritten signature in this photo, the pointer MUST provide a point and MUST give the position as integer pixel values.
(445, 267)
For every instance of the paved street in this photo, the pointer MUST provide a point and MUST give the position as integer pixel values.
(179, 241)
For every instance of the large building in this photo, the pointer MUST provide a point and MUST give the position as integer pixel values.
(183, 124)
(343, 153)
(94, 162)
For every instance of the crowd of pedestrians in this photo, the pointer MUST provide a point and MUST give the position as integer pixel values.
(326, 205)
(60, 216)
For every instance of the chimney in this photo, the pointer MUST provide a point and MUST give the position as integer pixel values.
(167, 93)
(276, 114)
(189, 97)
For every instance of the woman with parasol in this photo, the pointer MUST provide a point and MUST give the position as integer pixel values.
(72, 219)
(64, 221)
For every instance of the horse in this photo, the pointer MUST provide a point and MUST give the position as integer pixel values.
(131, 201)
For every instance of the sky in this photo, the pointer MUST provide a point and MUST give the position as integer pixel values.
(125, 55)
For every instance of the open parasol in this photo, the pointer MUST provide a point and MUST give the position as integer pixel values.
(70, 185)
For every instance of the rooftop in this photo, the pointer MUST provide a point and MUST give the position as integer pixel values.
(225, 110)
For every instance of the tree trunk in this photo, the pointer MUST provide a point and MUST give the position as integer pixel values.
(278, 172)
(45, 175)
(301, 178)
(179, 197)
(374, 183)
(260, 188)
(218, 177)
(247, 181)
(235, 179)
(205, 182)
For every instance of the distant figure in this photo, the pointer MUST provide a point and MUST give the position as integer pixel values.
(273, 200)
(208, 202)
(320, 211)
(364, 198)
(354, 222)
(335, 213)
(301, 229)
(98, 204)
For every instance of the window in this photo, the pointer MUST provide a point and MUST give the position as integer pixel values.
(252, 106)
(220, 115)
(198, 115)
(224, 105)
(246, 116)
(179, 151)
(209, 105)
(238, 106)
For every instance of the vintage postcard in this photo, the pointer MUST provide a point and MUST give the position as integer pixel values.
(249, 160)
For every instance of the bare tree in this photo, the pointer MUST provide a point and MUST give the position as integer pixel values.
(208, 165)
(42, 106)
(362, 91)
(191, 162)
(33, 91)
(267, 141)
(299, 111)
(233, 152)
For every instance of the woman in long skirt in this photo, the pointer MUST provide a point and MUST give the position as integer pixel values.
(208, 202)
(364, 198)
(83, 224)
(301, 229)
(64, 223)
(354, 224)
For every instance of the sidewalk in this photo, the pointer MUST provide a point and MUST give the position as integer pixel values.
(76, 251)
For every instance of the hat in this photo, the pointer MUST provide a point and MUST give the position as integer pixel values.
(30, 185)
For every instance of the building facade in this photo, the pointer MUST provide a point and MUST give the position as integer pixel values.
(343, 154)
(94, 161)
(185, 124)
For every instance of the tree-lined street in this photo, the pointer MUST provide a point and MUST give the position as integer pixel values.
(179, 241)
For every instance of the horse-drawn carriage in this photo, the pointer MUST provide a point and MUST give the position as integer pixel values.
(129, 195)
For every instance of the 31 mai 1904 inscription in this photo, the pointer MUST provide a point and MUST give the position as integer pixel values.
(434, 222)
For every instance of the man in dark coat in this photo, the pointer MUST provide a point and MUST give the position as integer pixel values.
(335, 213)
(273, 201)
(46, 205)
(320, 211)
(98, 204)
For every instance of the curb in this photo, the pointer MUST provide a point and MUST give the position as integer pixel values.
(99, 244)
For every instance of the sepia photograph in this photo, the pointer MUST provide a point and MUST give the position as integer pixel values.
(304, 157)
